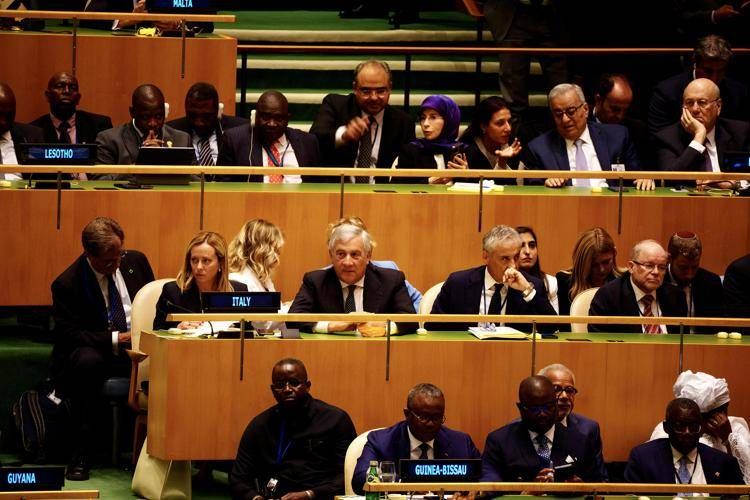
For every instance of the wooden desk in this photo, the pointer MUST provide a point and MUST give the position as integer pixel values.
(110, 67)
(429, 235)
(198, 407)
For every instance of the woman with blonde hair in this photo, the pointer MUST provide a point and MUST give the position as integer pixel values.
(254, 254)
(204, 269)
(594, 264)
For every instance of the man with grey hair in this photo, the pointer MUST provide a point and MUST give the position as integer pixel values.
(579, 144)
(91, 305)
(498, 287)
(699, 140)
(361, 129)
(639, 292)
(352, 285)
(702, 289)
(711, 57)
(421, 435)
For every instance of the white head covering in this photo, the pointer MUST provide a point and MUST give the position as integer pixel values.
(706, 390)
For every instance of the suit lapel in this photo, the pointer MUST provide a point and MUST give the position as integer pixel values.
(473, 291)
(722, 138)
(92, 290)
(131, 141)
(561, 153)
(372, 295)
(527, 449)
(332, 293)
(601, 146)
(84, 127)
(560, 447)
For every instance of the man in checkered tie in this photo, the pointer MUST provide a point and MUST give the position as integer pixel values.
(640, 292)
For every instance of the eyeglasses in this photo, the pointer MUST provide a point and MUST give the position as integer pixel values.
(426, 419)
(73, 87)
(684, 427)
(367, 91)
(702, 103)
(569, 390)
(569, 112)
(662, 268)
(293, 383)
(539, 409)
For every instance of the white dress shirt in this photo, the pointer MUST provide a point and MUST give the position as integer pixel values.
(591, 159)
(489, 291)
(288, 160)
(8, 155)
(709, 145)
(416, 451)
(212, 142)
(122, 289)
(376, 134)
(359, 293)
(655, 309)
(694, 467)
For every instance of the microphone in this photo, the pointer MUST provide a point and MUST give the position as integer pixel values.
(180, 308)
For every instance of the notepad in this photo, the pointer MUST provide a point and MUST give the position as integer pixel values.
(500, 333)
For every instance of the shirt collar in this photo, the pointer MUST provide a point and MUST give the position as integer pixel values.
(639, 294)
(711, 137)
(676, 455)
(414, 442)
(358, 284)
(550, 434)
(585, 137)
(101, 278)
(6, 137)
(489, 281)
(56, 121)
(378, 116)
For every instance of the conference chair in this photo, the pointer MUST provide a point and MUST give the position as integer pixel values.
(350, 460)
(580, 307)
(428, 299)
(141, 318)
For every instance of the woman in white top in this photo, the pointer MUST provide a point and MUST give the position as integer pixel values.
(253, 258)
(529, 262)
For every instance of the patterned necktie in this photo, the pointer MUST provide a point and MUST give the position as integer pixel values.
(63, 130)
(581, 164)
(495, 301)
(116, 310)
(683, 473)
(364, 157)
(274, 160)
(205, 155)
(707, 158)
(649, 313)
(542, 449)
(424, 447)
(349, 304)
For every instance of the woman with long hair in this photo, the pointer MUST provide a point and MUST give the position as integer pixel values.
(529, 262)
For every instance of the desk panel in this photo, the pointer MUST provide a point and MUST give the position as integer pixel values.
(429, 235)
(198, 407)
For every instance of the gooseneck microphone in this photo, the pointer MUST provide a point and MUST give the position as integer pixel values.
(180, 308)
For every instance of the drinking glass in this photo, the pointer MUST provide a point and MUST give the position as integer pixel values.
(387, 472)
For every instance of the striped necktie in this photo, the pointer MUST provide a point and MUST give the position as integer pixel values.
(648, 312)
(205, 155)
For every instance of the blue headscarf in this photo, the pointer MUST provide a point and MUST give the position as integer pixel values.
(448, 109)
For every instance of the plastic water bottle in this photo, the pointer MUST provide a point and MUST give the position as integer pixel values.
(372, 477)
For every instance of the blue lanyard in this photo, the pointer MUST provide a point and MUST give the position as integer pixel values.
(271, 157)
(281, 449)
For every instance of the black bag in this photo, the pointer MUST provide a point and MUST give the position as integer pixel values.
(43, 426)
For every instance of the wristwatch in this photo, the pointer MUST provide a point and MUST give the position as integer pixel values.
(528, 290)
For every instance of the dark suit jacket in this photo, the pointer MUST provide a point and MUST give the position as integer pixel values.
(611, 142)
(412, 156)
(225, 123)
(638, 131)
(88, 125)
(617, 298)
(384, 292)
(462, 292)
(510, 455)
(477, 161)
(652, 462)
(79, 309)
(120, 145)
(737, 289)
(666, 100)
(173, 300)
(674, 153)
(235, 150)
(708, 296)
(337, 110)
(393, 444)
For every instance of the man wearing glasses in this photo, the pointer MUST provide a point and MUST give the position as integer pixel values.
(579, 144)
(681, 459)
(537, 447)
(91, 305)
(294, 450)
(361, 129)
(420, 436)
(639, 292)
(585, 429)
(698, 141)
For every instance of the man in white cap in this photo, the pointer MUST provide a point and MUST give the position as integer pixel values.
(720, 431)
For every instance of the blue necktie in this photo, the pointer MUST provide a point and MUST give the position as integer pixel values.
(683, 473)
(543, 449)
(116, 311)
(581, 163)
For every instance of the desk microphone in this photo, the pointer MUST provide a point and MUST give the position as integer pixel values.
(186, 310)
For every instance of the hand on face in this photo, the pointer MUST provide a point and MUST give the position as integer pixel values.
(515, 279)
(693, 126)
(718, 425)
(152, 141)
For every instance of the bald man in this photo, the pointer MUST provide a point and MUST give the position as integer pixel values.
(120, 145)
(13, 134)
(640, 292)
(270, 142)
(698, 141)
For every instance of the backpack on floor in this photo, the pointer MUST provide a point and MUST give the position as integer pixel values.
(42, 424)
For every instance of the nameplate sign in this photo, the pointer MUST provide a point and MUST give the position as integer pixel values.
(32, 478)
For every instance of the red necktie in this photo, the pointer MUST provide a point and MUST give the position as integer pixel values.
(649, 313)
(274, 160)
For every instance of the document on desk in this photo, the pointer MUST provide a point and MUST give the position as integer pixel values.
(498, 333)
(207, 327)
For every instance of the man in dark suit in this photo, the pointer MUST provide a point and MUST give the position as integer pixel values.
(270, 142)
(535, 447)
(91, 303)
(579, 144)
(737, 289)
(563, 380)
(639, 292)
(205, 122)
(13, 134)
(702, 289)
(496, 288)
(681, 458)
(699, 140)
(421, 435)
(352, 284)
(711, 55)
(65, 123)
(361, 129)
(120, 145)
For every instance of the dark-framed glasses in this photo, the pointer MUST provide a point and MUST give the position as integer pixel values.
(702, 103)
(569, 112)
(662, 268)
(293, 383)
(569, 390)
(426, 419)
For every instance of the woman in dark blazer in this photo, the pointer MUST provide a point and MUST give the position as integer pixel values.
(204, 269)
